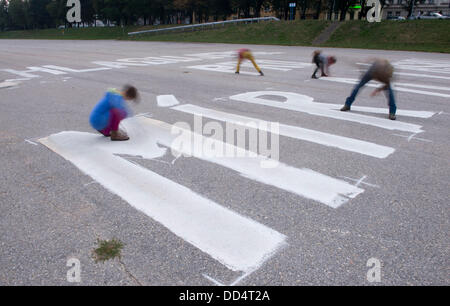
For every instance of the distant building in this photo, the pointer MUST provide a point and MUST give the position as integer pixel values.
(397, 8)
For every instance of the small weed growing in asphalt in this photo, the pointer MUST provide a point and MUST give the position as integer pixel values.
(107, 249)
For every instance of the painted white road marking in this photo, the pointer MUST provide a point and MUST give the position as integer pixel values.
(396, 87)
(435, 66)
(31, 142)
(301, 103)
(7, 84)
(220, 68)
(341, 142)
(413, 136)
(28, 73)
(303, 182)
(239, 243)
(360, 181)
(167, 100)
(270, 64)
(432, 76)
(230, 67)
(65, 69)
(378, 110)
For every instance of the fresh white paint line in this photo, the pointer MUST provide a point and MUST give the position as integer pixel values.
(269, 64)
(18, 79)
(422, 92)
(217, 283)
(378, 110)
(432, 76)
(303, 182)
(396, 87)
(167, 100)
(239, 243)
(221, 68)
(31, 142)
(7, 84)
(305, 104)
(442, 67)
(413, 136)
(360, 181)
(65, 69)
(341, 142)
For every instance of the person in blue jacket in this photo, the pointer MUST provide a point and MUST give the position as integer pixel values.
(109, 111)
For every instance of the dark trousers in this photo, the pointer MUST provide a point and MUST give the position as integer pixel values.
(319, 65)
(365, 79)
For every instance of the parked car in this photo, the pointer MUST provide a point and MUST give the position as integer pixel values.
(432, 16)
(396, 18)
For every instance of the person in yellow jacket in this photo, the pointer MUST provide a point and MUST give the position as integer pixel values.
(246, 54)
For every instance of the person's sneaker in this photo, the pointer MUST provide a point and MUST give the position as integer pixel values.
(392, 116)
(237, 72)
(119, 136)
(345, 108)
(261, 73)
(314, 77)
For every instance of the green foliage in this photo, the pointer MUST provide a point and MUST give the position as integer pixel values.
(412, 35)
(41, 14)
(107, 249)
(293, 33)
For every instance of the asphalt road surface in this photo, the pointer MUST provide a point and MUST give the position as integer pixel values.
(352, 199)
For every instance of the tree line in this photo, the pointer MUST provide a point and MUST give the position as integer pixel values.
(41, 14)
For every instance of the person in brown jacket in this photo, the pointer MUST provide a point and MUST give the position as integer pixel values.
(382, 71)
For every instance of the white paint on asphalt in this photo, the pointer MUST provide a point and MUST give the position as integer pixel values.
(29, 73)
(378, 110)
(220, 68)
(360, 181)
(145, 139)
(396, 87)
(341, 142)
(413, 136)
(7, 84)
(432, 76)
(303, 182)
(239, 243)
(301, 103)
(65, 69)
(31, 142)
(230, 67)
(167, 100)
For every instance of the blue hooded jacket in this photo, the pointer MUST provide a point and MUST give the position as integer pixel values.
(99, 117)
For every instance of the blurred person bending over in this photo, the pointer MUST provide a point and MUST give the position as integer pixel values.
(323, 62)
(382, 71)
(246, 54)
